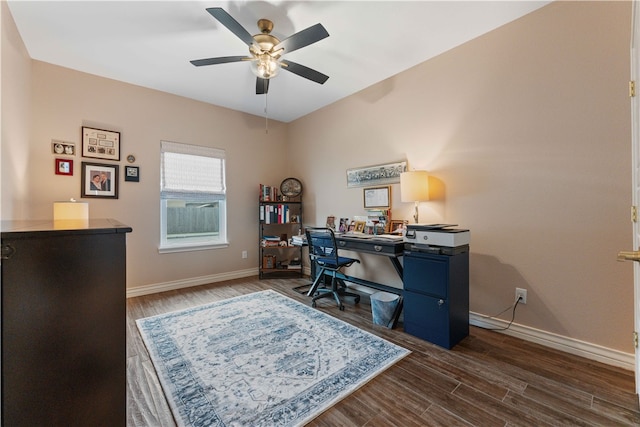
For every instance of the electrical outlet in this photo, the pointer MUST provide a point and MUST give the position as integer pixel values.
(244, 254)
(521, 294)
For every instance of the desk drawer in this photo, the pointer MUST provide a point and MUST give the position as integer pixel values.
(384, 248)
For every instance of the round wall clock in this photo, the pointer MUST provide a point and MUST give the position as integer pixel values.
(291, 187)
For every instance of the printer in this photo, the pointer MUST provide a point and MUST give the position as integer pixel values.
(436, 238)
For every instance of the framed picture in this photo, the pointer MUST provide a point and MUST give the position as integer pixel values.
(132, 173)
(375, 175)
(99, 180)
(331, 222)
(377, 197)
(100, 144)
(398, 225)
(359, 226)
(269, 261)
(64, 167)
(63, 147)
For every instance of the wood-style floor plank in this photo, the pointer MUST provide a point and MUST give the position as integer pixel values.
(489, 379)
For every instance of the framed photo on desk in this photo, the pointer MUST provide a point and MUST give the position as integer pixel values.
(377, 197)
(397, 225)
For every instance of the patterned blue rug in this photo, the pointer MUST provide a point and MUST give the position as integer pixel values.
(260, 359)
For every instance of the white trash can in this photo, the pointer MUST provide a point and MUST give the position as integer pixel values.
(383, 305)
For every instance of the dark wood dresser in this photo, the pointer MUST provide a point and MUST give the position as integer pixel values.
(63, 323)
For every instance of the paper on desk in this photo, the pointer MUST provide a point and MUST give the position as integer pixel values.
(358, 235)
(392, 237)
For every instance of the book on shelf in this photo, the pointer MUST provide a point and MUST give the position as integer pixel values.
(265, 193)
(294, 264)
(299, 240)
(268, 241)
(268, 193)
(276, 214)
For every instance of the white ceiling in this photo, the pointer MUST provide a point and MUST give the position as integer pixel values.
(150, 43)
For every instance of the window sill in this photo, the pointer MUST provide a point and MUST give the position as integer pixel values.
(192, 247)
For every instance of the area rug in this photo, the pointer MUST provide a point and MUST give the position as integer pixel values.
(260, 359)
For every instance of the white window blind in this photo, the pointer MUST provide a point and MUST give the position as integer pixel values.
(191, 170)
(192, 197)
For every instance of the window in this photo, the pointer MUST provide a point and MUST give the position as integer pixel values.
(193, 212)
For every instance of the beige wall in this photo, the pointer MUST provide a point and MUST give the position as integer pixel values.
(44, 102)
(64, 100)
(526, 131)
(15, 89)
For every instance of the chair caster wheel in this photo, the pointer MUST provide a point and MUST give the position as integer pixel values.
(357, 300)
(341, 307)
(313, 304)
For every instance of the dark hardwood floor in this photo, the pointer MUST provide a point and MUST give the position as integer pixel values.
(489, 379)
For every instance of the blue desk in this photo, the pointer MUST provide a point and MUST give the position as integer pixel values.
(392, 249)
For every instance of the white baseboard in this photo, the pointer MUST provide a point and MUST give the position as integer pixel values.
(187, 283)
(558, 342)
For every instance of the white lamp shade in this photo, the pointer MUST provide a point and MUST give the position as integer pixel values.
(414, 186)
(70, 210)
(70, 215)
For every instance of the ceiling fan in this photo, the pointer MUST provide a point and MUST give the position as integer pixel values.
(266, 50)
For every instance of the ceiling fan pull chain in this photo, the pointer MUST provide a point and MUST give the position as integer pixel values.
(266, 114)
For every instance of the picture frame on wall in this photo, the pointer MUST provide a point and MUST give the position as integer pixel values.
(63, 148)
(132, 173)
(100, 143)
(64, 167)
(375, 175)
(99, 180)
(377, 197)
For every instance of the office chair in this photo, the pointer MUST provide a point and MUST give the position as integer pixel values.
(323, 252)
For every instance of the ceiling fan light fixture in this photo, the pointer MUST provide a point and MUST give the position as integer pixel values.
(265, 66)
(266, 51)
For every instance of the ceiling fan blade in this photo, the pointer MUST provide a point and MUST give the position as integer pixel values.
(227, 20)
(305, 72)
(219, 60)
(262, 86)
(302, 38)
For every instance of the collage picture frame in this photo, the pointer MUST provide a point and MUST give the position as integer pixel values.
(100, 144)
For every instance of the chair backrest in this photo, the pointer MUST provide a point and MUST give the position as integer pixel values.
(322, 245)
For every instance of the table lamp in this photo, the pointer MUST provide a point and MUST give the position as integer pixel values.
(414, 187)
(71, 214)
